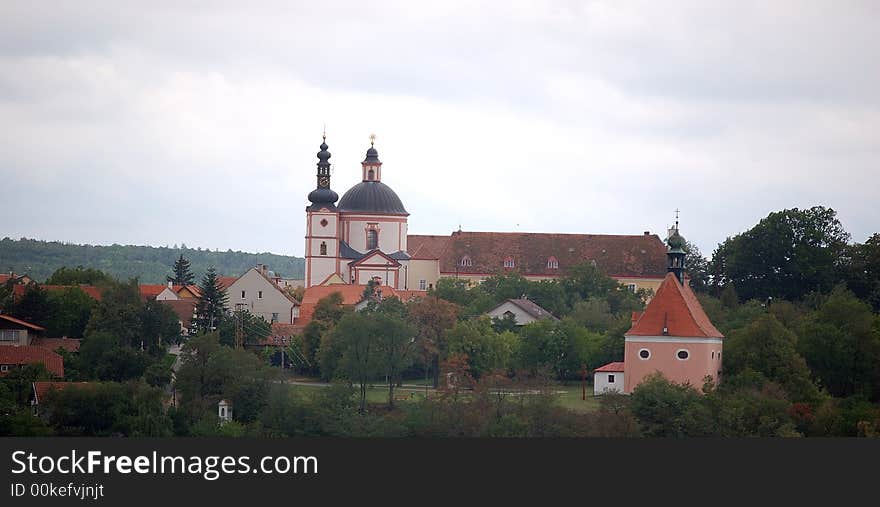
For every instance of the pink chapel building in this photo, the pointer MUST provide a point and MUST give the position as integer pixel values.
(673, 336)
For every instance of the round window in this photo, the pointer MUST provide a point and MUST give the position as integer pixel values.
(644, 353)
(683, 354)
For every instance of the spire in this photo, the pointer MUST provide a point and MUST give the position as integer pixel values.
(372, 167)
(323, 195)
(675, 252)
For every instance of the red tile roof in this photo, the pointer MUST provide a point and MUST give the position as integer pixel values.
(618, 255)
(42, 388)
(351, 295)
(226, 281)
(13, 320)
(194, 289)
(90, 290)
(184, 309)
(150, 291)
(610, 367)
(675, 307)
(27, 354)
(68, 344)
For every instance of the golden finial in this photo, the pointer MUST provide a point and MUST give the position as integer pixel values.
(372, 139)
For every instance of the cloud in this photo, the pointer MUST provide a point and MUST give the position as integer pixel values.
(181, 123)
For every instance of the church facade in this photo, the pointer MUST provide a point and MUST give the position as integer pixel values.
(364, 236)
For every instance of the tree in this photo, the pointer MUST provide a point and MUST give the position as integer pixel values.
(432, 317)
(563, 347)
(211, 307)
(33, 306)
(182, 272)
(78, 276)
(664, 408)
(394, 342)
(485, 349)
(357, 337)
(862, 271)
(255, 328)
(841, 344)
(786, 255)
(697, 267)
(767, 347)
(71, 311)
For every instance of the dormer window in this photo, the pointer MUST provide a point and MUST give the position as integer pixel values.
(466, 262)
(552, 263)
(508, 262)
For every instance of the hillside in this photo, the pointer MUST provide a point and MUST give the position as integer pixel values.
(40, 259)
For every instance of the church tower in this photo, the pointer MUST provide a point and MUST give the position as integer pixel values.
(322, 225)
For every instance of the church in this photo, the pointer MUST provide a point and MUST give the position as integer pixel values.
(364, 237)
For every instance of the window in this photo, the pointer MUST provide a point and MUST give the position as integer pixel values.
(4, 367)
(682, 355)
(274, 317)
(713, 354)
(242, 294)
(509, 315)
(323, 248)
(222, 411)
(423, 284)
(371, 175)
(9, 335)
(631, 287)
(552, 263)
(508, 262)
(466, 261)
(610, 378)
(260, 295)
(644, 354)
(372, 239)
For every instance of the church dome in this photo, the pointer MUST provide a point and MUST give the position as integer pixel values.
(372, 197)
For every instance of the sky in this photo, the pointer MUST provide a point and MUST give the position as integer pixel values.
(198, 123)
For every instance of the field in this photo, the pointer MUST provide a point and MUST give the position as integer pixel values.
(568, 396)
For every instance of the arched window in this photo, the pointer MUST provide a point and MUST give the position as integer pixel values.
(323, 248)
(371, 175)
(552, 263)
(466, 262)
(372, 239)
(508, 262)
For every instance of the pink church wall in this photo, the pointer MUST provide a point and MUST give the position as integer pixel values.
(704, 360)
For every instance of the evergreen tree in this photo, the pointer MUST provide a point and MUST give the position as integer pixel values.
(182, 273)
(210, 309)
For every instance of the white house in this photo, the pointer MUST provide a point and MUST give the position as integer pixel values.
(224, 411)
(608, 378)
(522, 310)
(255, 292)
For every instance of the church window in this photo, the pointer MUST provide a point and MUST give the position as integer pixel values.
(324, 222)
(323, 248)
(372, 239)
(644, 354)
(466, 261)
(682, 355)
(552, 263)
(508, 262)
(371, 175)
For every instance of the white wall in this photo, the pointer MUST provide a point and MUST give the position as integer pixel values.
(601, 383)
(522, 318)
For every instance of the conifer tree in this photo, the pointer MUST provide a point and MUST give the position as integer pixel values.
(182, 273)
(210, 308)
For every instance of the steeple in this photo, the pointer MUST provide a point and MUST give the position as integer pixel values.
(372, 167)
(675, 252)
(323, 196)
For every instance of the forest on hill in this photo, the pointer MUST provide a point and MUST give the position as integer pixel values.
(39, 259)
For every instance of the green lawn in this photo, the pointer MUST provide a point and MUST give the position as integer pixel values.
(568, 396)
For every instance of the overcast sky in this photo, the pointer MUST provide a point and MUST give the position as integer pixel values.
(185, 122)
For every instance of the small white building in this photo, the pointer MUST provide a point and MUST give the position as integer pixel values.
(608, 378)
(522, 310)
(224, 411)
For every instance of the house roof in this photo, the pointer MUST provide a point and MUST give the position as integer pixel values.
(150, 291)
(42, 388)
(184, 309)
(351, 295)
(531, 308)
(610, 367)
(226, 281)
(68, 344)
(372, 254)
(10, 318)
(27, 354)
(618, 255)
(90, 290)
(676, 308)
(193, 289)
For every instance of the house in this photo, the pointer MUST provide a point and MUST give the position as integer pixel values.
(90, 290)
(171, 292)
(366, 235)
(673, 336)
(55, 344)
(185, 309)
(12, 358)
(522, 310)
(352, 296)
(224, 411)
(14, 279)
(256, 292)
(17, 332)
(608, 378)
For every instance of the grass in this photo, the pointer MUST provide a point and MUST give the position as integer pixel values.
(568, 396)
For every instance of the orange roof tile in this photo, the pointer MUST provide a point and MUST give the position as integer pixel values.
(226, 281)
(90, 290)
(68, 344)
(27, 354)
(610, 367)
(675, 307)
(351, 295)
(426, 247)
(43, 387)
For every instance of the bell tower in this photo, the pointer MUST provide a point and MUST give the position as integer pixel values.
(372, 167)
(322, 225)
(675, 252)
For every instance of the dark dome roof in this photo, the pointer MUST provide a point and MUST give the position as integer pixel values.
(373, 197)
(323, 196)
